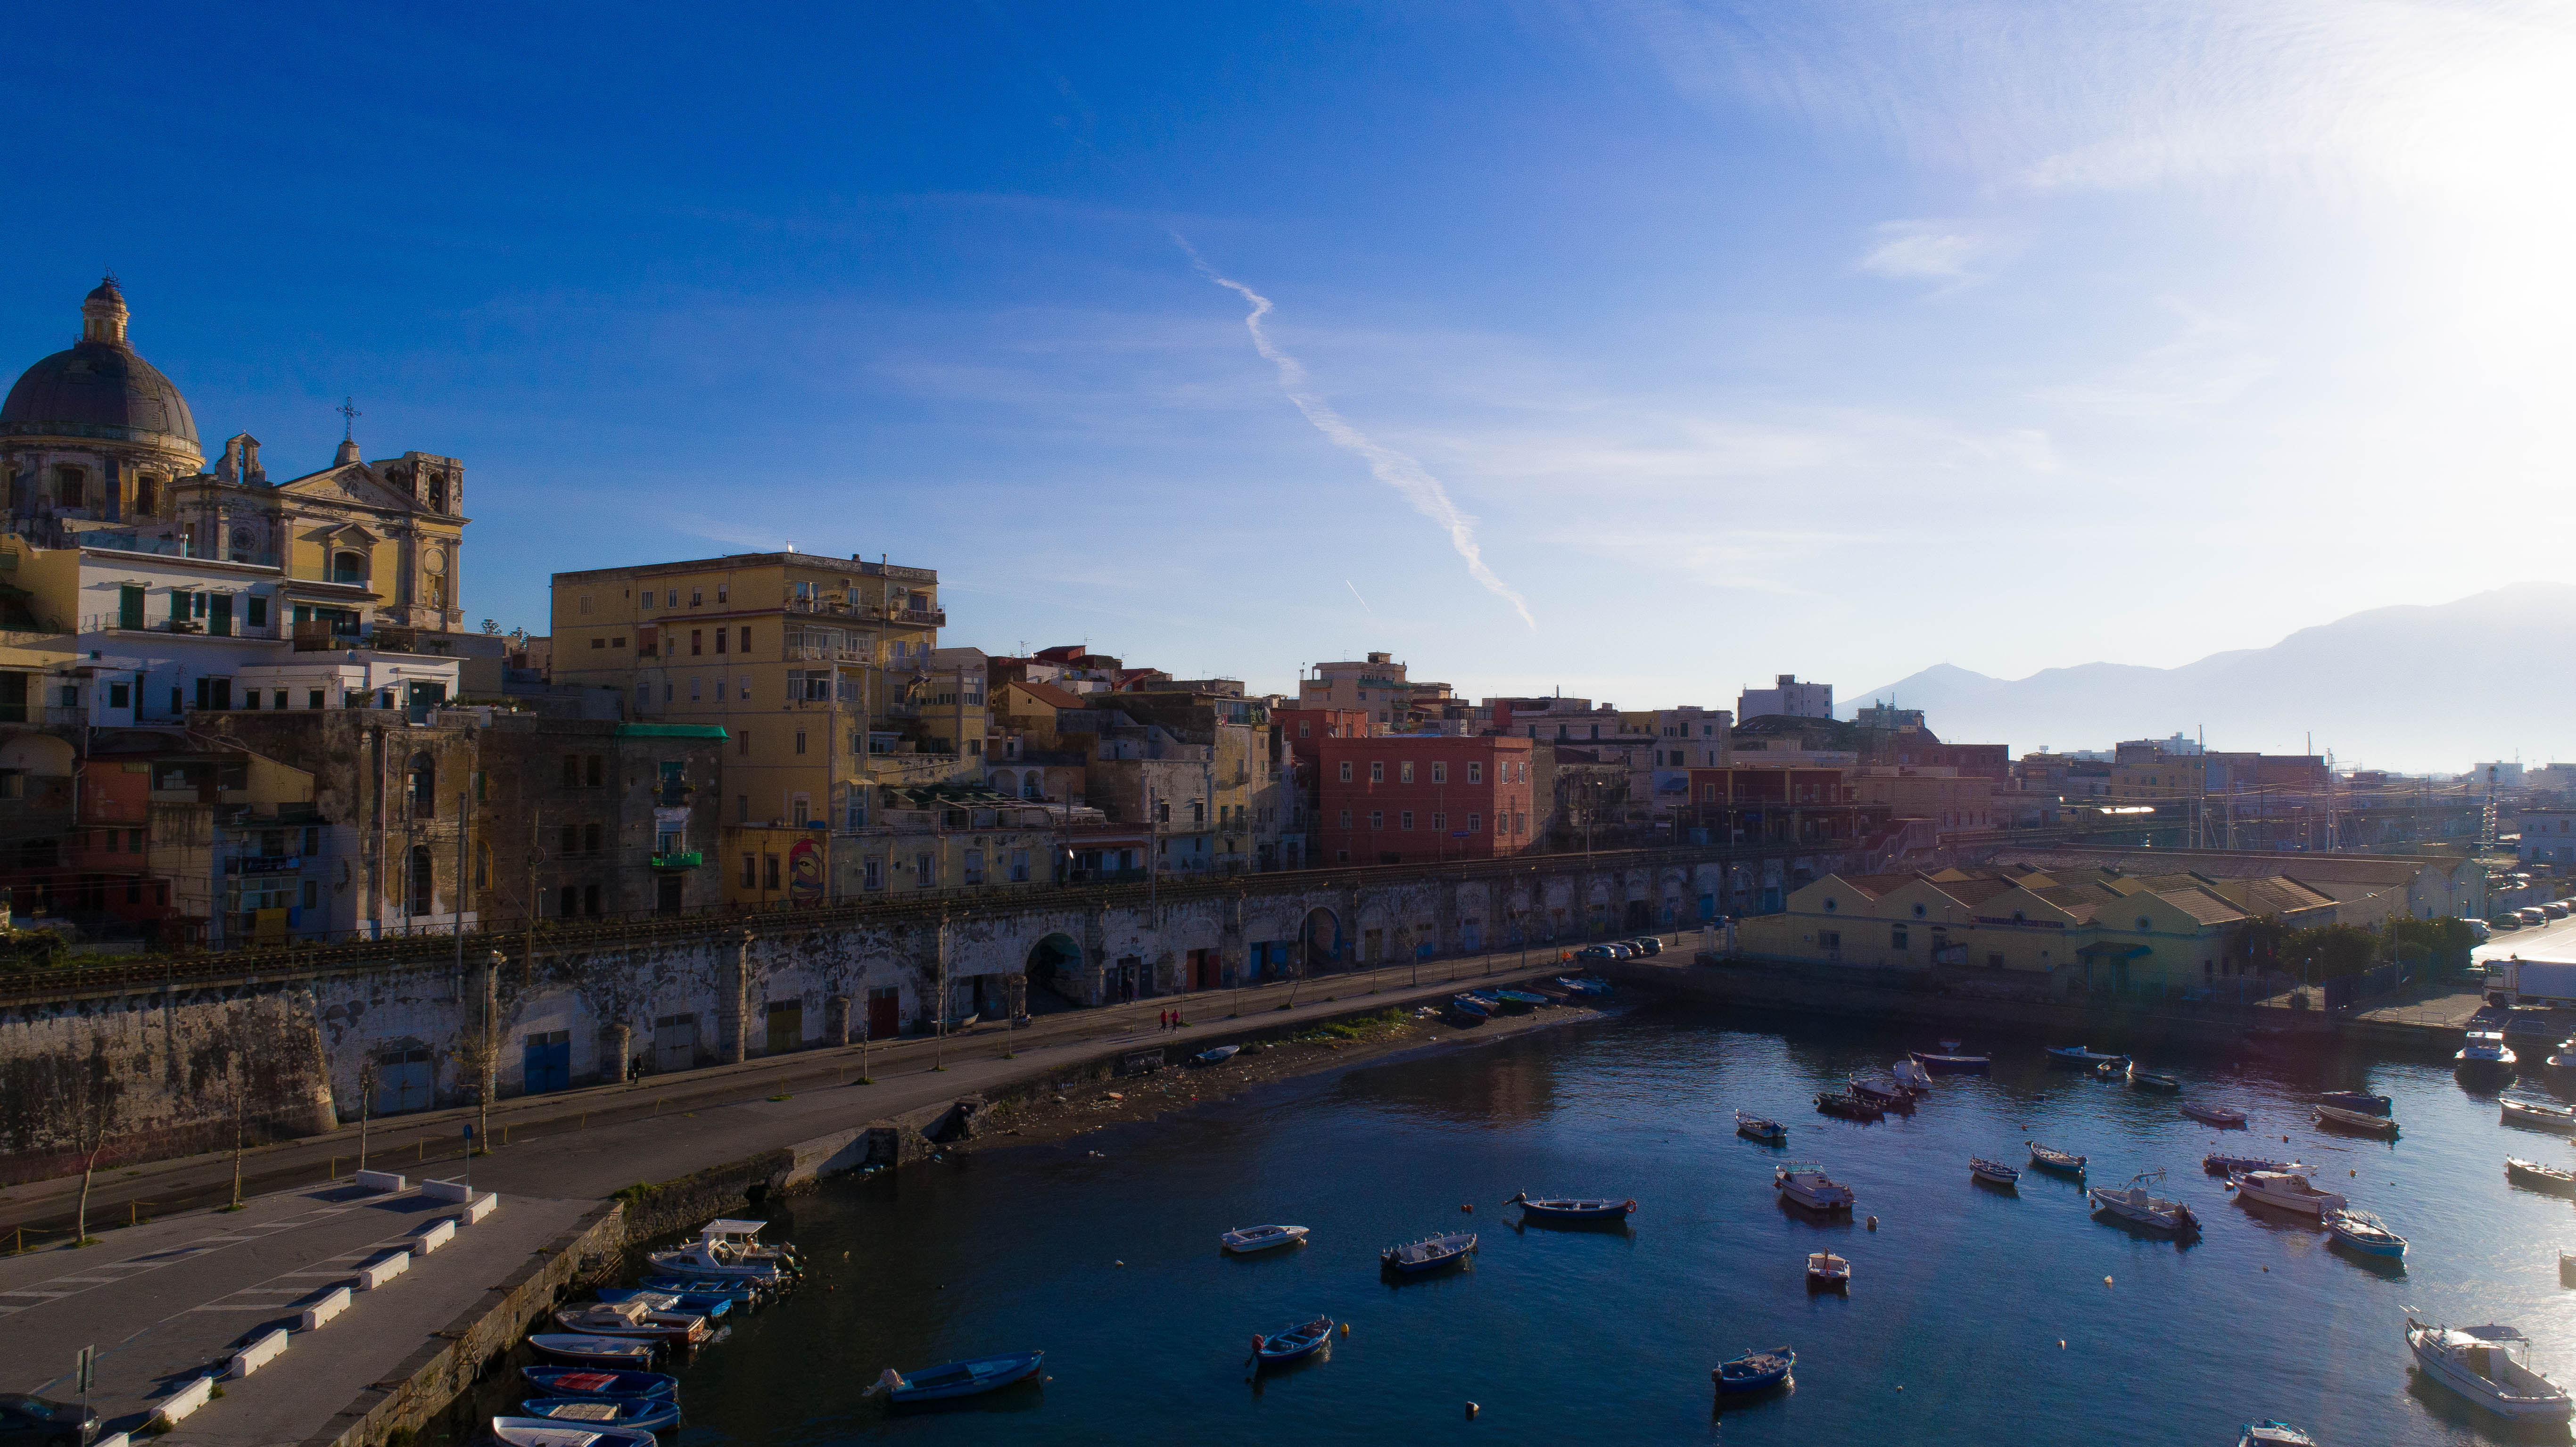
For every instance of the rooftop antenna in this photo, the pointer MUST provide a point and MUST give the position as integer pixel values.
(349, 415)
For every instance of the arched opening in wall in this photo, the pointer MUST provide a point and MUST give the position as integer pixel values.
(348, 567)
(1055, 975)
(1319, 940)
(424, 786)
(438, 492)
(1641, 915)
(417, 896)
(1033, 785)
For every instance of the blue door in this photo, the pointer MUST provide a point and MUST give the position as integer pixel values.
(547, 1064)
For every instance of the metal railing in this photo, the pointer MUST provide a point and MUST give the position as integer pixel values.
(200, 627)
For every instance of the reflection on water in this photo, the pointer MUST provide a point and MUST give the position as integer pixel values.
(1962, 1296)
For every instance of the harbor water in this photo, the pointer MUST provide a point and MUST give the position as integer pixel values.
(1975, 1314)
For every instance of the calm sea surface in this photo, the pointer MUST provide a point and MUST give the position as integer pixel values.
(1961, 1298)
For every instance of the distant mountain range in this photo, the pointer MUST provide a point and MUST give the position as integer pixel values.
(2416, 688)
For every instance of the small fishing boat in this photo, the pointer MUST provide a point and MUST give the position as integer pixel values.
(2225, 1117)
(1947, 1064)
(1245, 1240)
(1567, 1209)
(635, 1414)
(1754, 1127)
(1470, 1007)
(683, 1303)
(969, 1378)
(715, 1259)
(2567, 1268)
(2486, 1055)
(2288, 1190)
(1848, 1104)
(1218, 1056)
(2365, 1233)
(1805, 1183)
(745, 1294)
(591, 1382)
(2482, 1364)
(2150, 1080)
(2360, 1100)
(2218, 1165)
(1882, 1091)
(1915, 1079)
(2564, 1056)
(2537, 1176)
(1828, 1272)
(633, 1318)
(1295, 1344)
(1993, 1171)
(1519, 1002)
(2136, 1205)
(2273, 1434)
(2353, 1120)
(545, 1432)
(742, 1240)
(604, 1351)
(1428, 1254)
(2537, 1116)
(2054, 1160)
(2077, 1057)
(1582, 986)
(1754, 1371)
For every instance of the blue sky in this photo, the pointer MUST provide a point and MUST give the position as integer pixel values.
(1729, 340)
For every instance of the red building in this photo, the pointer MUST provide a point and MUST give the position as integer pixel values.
(1781, 806)
(1421, 798)
(1305, 728)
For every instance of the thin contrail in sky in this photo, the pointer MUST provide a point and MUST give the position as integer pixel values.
(1397, 470)
(1355, 592)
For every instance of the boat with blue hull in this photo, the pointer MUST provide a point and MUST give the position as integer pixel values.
(1295, 1344)
(1431, 1253)
(592, 1382)
(2359, 1100)
(634, 1414)
(950, 1380)
(693, 1303)
(1470, 1007)
(2077, 1057)
(1582, 986)
(1570, 1211)
(1953, 1064)
(2363, 1232)
(1757, 1128)
(741, 1293)
(1754, 1371)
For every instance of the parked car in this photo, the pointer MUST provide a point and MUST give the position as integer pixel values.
(2530, 914)
(1595, 952)
(43, 1423)
(2555, 909)
(2503, 921)
(1647, 945)
(2479, 928)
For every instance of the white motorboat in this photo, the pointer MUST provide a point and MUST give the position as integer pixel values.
(2273, 1434)
(715, 1260)
(1912, 1076)
(1806, 1183)
(2490, 1366)
(1825, 1269)
(2288, 1190)
(2365, 1233)
(1995, 1171)
(743, 1239)
(2486, 1053)
(2564, 1057)
(633, 1318)
(1244, 1240)
(2136, 1205)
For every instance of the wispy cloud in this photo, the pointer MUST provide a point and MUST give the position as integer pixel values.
(1396, 469)
(2209, 362)
(1949, 252)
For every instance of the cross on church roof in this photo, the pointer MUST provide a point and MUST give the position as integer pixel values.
(349, 415)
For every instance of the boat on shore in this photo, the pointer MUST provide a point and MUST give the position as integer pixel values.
(1828, 1272)
(1431, 1253)
(2077, 1057)
(2150, 1080)
(2360, 1100)
(2225, 1117)
(593, 1382)
(1582, 985)
(1245, 1240)
(2139, 1207)
(602, 1351)
(1218, 1056)
(1756, 1128)
(2489, 1365)
(1994, 1172)
(970, 1378)
(2223, 1165)
(2055, 1160)
(2365, 1233)
(2535, 1116)
(546, 1432)
(1754, 1371)
(1571, 1210)
(2538, 1177)
(2353, 1120)
(1805, 1183)
(632, 1414)
(1850, 1105)
(1469, 1007)
(1519, 1002)
(1951, 1064)
(1295, 1344)
(2288, 1190)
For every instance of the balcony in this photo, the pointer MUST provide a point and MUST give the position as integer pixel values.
(919, 617)
(201, 627)
(692, 859)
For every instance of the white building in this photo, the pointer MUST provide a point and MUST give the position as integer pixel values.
(1790, 698)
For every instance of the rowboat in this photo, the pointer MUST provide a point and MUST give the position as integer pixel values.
(1296, 1343)
(1848, 1104)
(1754, 1371)
(2273, 1434)
(1470, 1007)
(1882, 1091)
(2134, 1204)
(1828, 1271)
(1953, 1064)
(741, 1293)
(2480, 1363)
(635, 1319)
(1245, 1240)
(605, 1351)
(591, 1382)
(1994, 1171)
(2354, 1120)
(1582, 986)
(1915, 1079)
(2225, 1117)
(2538, 1116)
(2365, 1233)
(1217, 1056)
(2288, 1190)
(1565, 1209)
(2079, 1057)
(1428, 1254)
(542, 1432)
(2149, 1080)
(2537, 1176)
(2054, 1160)
(635, 1414)
(968, 1378)
(684, 1303)
(1520, 1002)
(2218, 1165)
(1805, 1183)
(2360, 1100)
(1754, 1127)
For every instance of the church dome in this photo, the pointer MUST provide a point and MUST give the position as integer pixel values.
(100, 389)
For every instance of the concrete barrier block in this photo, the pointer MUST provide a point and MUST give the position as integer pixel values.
(259, 1353)
(327, 1308)
(380, 1181)
(384, 1271)
(484, 1205)
(189, 1398)
(447, 1190)
(114, 1439)
(431, 1238)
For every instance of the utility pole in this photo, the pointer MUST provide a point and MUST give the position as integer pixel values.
(939, 1018)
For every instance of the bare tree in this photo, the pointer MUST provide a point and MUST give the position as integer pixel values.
(92, 1102)
(239, 1078)
(368, 1074)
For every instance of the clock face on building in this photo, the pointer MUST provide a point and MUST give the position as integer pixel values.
(435, 561)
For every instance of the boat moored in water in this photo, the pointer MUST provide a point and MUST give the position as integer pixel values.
(2537, 1116)
(1881, 1090)
(1754, 1127)
(634, 1414)
(1295, 1344)
(2136, 1205)
(2537, 1176)
(1994, 1171)
(605, 1351)
(545, 1432)
(2225, 1117)
(970, 1378)
(2288, 1190)
(634, 1318)
(1412, 1258)
(2365, 1233)
(2055, 1160)
(1245, 1240)
(1572, 1209)
(2486, 1054)
(2353, 1120)
(1828, 1272)
(1850, 1105)
(2081, 1058)
(2489, 1365)
(1910, 1074)
(2220, 1165)
(1948, 1063)
(2360, 1100)
(592, 1382)
(1806, 1184)
(1754, 1371)
(2273, 1434)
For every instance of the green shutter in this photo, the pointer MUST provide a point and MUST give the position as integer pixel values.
(129, 607)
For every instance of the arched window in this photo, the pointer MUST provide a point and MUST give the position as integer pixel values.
(1031, 786)
(147, 496)
(424, 787)
(438, 492)
(348, 567)
(421, 881)
(590, 839)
